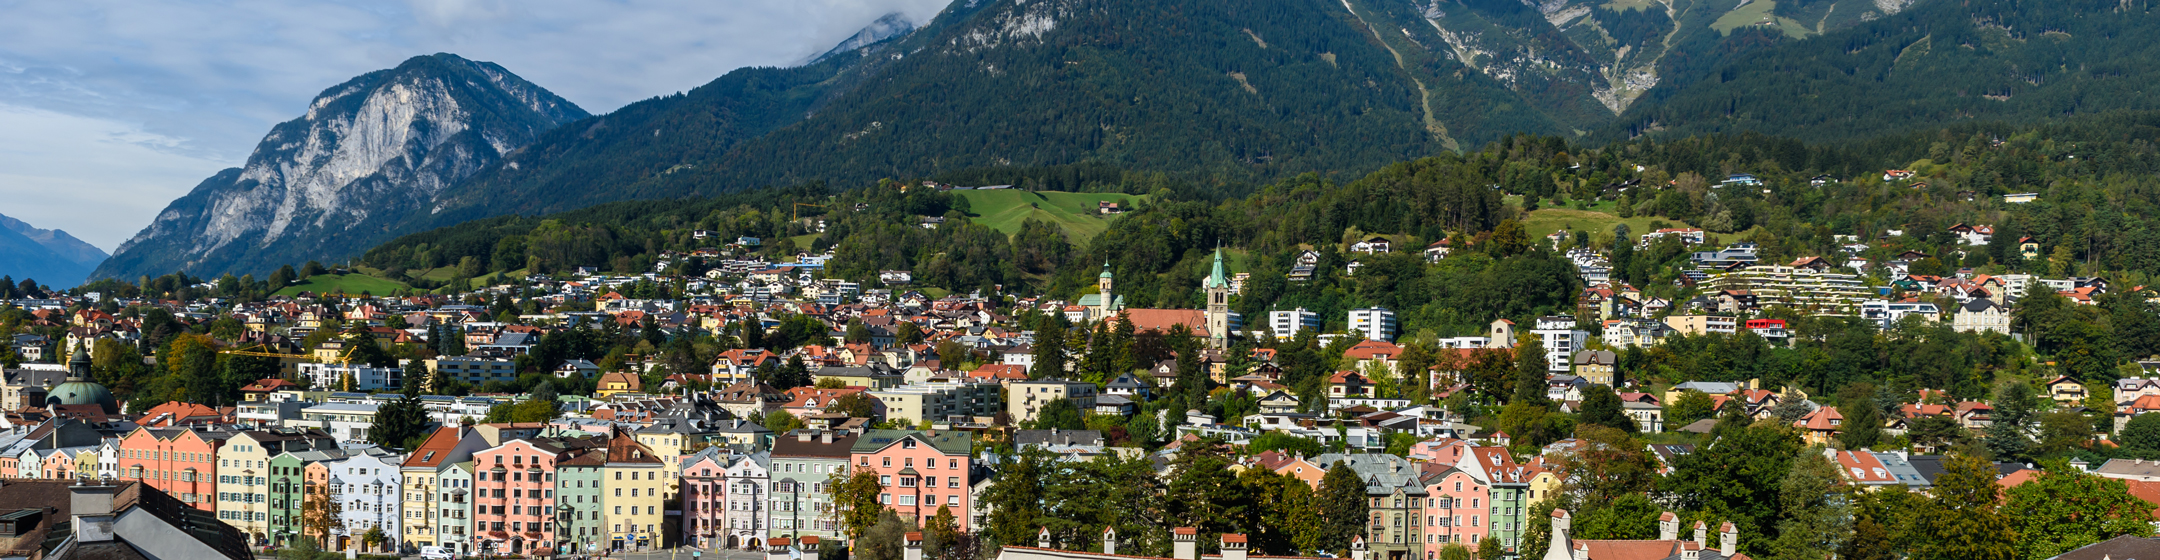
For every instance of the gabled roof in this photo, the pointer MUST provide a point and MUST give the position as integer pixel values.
(949, 442)
(437, 448)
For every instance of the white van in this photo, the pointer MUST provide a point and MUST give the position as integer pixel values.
(434, 553)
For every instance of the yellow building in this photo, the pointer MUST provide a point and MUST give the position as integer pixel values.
(618, 382)
(86, 462)
(671, 439)
(422, 523)
(1544, 484)
(243, 474)
(631, 501)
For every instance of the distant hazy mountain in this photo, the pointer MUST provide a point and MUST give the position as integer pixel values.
(50, 256)
(369, 154)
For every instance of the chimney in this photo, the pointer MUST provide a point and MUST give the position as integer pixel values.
(1358, 550)
(1690, 551)
(1233, 546)
(802, 437)
(1561, 546)
(1109, 540)
(1668, 527)
(1042, 538)
(1184, 544)
(776, 548)
(92, 506)
(1702, 535)
(824, 436)
(1728, 538)
(911, 546)
(809, 546)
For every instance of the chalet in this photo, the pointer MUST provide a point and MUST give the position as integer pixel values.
(1822, 425)
(1372, 245)
(1108, 207)
(1973, 235)
(2065, 390)
(1349, 385)
(1436, 251)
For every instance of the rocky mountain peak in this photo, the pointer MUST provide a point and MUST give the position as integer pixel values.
(373, 149)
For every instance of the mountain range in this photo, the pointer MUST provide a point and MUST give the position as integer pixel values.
(49, 256)
(1219, 93)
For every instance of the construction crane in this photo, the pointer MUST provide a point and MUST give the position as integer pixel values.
(287, 359)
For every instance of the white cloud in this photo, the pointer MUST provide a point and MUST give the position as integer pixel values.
(190, 82)
(99, 180)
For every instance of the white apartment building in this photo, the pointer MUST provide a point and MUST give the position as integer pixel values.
(1561, 340)
(1886, 313)
(1373, 323)
(364, 377)
(1286, 324)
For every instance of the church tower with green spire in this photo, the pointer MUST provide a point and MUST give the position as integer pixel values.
(1218, 304)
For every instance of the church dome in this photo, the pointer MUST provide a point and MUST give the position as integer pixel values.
(79, 389)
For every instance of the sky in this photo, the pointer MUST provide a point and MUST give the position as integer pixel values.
(111, 109)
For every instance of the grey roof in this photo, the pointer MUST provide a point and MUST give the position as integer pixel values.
(1383, 473)
(2129, 467)
(1596, 357)
(2125, 547)
(1128, 381)
(1931, 466)
(1709, 387)
(1978, 305)
(1902, 470)
(1057, 437)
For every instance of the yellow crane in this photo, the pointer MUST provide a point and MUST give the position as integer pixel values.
(289, 361)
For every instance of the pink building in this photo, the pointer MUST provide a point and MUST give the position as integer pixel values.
(704, 491)
(920, 471)
(1456, 509)
(514, 498)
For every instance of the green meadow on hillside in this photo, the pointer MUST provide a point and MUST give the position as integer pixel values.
(1005, 209)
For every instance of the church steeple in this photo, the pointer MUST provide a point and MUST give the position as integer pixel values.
(79, 365)
(1218, 303)
(1107, 306)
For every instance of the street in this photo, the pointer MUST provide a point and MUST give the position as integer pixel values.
(686, 553)
(667, 554)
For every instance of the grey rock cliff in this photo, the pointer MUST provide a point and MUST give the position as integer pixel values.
(368, 154)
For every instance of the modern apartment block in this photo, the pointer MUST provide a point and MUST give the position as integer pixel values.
(1373, 323)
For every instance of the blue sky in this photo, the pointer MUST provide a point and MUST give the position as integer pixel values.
(110, 109)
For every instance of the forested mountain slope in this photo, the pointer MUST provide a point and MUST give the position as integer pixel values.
(1934, 64)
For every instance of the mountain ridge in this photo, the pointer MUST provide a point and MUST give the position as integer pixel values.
(50, 256)
(367, 153)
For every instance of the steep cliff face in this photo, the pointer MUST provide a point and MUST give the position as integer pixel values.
(369, 154)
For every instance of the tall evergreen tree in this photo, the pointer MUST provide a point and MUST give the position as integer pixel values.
(1343, 507)
(1602, 407)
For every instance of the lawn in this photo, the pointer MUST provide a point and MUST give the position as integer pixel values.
(352, 284)
(1756, 12)
(1548, 220)
(1006, 209)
